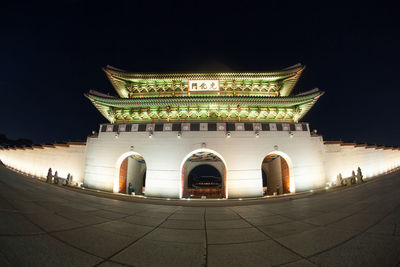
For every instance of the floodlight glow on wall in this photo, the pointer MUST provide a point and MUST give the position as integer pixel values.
(228, 134)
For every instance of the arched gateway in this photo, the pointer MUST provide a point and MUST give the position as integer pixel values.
(203, 174)
(130, 174)
(277, 173)
(166, 115)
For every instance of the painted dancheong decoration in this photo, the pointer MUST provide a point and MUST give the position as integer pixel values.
(256, 96)
(243, 130)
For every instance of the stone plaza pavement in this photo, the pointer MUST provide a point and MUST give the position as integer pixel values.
(47, 225)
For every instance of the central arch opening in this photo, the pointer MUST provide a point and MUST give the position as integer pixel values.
(132, 175)
(203, 176)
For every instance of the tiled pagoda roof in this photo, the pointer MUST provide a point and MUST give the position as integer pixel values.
(294, 107)
(287, 101)
(284, 79)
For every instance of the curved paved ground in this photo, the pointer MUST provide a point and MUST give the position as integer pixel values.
(45, 225)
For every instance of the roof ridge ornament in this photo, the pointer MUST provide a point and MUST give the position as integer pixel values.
(297, 65)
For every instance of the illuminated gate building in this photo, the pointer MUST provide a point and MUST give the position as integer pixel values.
(220, 135)
(213, 135)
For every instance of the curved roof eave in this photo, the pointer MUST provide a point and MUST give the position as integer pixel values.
(187, 75)
(203, 100)
(119, 78)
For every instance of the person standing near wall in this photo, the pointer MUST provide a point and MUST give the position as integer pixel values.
(359, 176)
(49, 176)
(129, 188)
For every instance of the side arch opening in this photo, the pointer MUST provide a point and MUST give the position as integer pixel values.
(277, 174)
(131, 174)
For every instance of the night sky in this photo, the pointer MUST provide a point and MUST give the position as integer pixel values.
(52, 54)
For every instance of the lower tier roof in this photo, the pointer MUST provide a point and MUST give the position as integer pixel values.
(204, 108)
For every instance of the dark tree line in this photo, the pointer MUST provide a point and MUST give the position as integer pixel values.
(21, 142)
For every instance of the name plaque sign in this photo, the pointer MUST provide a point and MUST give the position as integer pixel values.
(203, 85)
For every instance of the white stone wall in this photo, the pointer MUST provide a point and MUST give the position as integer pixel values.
(242, 154)
(344, 158)
(311, 162)
(37, 161)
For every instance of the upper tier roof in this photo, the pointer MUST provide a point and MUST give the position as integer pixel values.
(270, 83)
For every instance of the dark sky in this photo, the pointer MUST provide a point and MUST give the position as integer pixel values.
(52, 54)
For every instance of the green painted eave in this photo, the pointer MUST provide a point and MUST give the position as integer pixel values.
(299, 105)
(205, 100)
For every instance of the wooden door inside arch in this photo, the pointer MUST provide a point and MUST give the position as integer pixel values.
(123, 173)
(285, 176)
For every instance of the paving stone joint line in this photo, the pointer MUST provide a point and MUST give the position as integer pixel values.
(356, 235)
(270, 237)
(133, 242)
